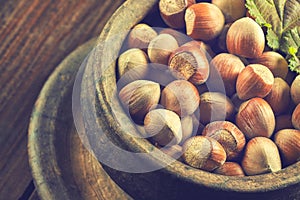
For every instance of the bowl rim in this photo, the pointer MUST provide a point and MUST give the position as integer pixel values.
(50, 112)
(258, 183)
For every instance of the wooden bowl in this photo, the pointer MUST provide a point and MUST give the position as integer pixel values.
(176, 180)
(62, 167)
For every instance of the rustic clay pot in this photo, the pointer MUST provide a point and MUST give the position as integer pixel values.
(177, 180)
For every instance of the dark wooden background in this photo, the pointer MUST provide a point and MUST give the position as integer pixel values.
(35, 36)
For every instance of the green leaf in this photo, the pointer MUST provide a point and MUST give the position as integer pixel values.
(294, 64)
(291, 15)
(265, 12)
(282, 20)
(293, 51)
(290, 39)
(290, 44)
(272, 39)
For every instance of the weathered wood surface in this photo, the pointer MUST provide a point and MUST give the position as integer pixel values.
(34, 196)
(35, 37)
(61, 166)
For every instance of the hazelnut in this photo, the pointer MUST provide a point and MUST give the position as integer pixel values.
(139, 97)
(203, 153)
(245, 38)
(295, 90)
(181, 38)
(205, 47)
(172, 11)
(181, 97)
(232, 9)
(274, 61)
(152, 71)
(288, 142)
(130, 59)
(261, 156)
(228, 135)
(255, 80)
(189, 63)
(161, 47)
(256, 118)
(230, 169)
(140, 36)
(283, 122)
(163, 126)
(136, 73)
(279, 97)
(296, 117)
(225, 69)
(204, 21)
(215, 106)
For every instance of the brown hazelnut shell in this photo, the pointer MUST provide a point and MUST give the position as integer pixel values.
(172, 12)
(261, 156)
(256, 118)
(140, 36)
(204, 21)
(245, 38)
(230, 169)
(288, 142)
(296, 117)
(254, 80)
(180, 96)
(295, 90)
(274, 61)
(189, 63)
(279, 96)
(232, 9)
(228, 135)
(215, 106)
(225, 69)
(203, 153)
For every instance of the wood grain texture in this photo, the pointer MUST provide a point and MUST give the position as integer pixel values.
(34, 196)
(61, 165)
(35, 36)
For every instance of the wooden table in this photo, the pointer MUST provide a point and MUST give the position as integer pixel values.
(35, 36)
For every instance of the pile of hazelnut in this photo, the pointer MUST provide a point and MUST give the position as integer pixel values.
(235, 113)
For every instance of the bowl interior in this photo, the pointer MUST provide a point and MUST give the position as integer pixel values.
(119, 127)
